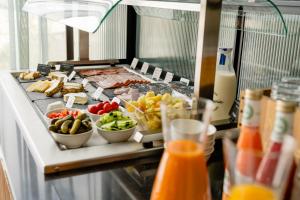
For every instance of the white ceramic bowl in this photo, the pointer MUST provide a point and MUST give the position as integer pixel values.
(116, 136)
(94, 117)
(48, 120)
(72, 141)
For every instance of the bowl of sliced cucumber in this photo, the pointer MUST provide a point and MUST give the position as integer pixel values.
(116, 127)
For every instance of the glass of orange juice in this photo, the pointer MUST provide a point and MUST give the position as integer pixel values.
(252, 191)
(182, 173)
(240, 187)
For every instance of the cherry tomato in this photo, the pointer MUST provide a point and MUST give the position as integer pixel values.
(75, 114)
(92, 109)
(52, 115)
(100, 106)
(114, 105)
(65, 112)
(101, 112)
(107, 107)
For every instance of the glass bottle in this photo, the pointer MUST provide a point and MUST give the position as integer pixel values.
(249, 143)
(225, 86)
(283, 126)
(182, 172)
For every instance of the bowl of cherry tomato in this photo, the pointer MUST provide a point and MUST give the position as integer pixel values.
(95, 110)
(61, 113)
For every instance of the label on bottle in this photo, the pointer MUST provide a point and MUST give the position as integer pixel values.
(222, 59)
(283, 126)
(251, 113)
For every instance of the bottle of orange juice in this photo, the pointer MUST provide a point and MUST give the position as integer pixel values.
(182, 172)
(249, 143)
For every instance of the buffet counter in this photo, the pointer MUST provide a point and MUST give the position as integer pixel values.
(26, 145)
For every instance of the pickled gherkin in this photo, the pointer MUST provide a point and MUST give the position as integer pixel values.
(58, 123)
(65, 126)
(75, 127)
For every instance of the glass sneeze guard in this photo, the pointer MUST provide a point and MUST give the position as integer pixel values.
(86, 15)
(261, 16)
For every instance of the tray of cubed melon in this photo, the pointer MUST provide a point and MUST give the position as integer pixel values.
(146, 110)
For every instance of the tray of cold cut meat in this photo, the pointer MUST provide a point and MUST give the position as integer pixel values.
(113, 77)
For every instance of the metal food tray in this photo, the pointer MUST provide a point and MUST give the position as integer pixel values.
(53, 158)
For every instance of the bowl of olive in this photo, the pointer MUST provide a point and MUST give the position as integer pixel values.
(72, 132)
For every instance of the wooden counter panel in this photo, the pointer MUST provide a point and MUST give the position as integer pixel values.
(5, 193)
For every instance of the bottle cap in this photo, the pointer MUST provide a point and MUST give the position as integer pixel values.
(253, 94)
(286, 106)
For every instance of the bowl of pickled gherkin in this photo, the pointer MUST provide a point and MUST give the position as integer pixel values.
(72, 132)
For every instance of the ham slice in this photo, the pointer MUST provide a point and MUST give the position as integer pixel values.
(117, 80)
(105, 71)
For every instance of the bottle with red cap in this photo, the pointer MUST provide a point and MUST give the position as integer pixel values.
(283, 126)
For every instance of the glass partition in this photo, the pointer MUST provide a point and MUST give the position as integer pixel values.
(262, 16)
(85, 15)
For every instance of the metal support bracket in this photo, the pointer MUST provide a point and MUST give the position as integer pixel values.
(207, 47)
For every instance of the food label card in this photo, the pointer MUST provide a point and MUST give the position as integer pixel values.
(169, 77)
(66, 79)
(157, 72)
(145, 68)
(72, 75)
(134, 63)
(70, 101)
(97, 94)
(186, 81)
(57, 67)
(84, 82)
(116, 99)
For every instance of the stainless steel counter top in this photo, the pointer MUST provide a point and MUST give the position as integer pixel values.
(47, 155)
(26, 148)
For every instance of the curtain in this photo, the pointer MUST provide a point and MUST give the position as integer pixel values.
(26, 40)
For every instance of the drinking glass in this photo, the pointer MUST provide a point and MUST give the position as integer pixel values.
(288, 89)
(243, 189)
(182, 173)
